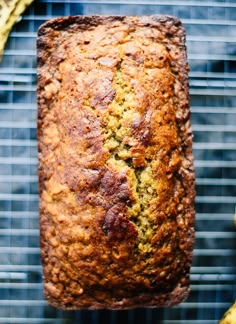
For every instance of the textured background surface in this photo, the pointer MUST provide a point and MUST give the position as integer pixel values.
(211, 35)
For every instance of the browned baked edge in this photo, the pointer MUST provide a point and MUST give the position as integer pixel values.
(172, 35)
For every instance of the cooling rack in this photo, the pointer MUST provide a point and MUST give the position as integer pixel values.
(211, 44)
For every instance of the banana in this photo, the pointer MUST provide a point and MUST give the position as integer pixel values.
(10, 11)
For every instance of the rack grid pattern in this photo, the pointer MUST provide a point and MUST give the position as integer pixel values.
(211, 43)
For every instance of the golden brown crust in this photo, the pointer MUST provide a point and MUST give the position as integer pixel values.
(115, 162)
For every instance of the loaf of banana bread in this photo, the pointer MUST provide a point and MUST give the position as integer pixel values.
(116, 177)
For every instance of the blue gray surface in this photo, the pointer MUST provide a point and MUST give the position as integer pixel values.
(211, 43)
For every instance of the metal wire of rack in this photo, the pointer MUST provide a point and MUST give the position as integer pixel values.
(211, 43)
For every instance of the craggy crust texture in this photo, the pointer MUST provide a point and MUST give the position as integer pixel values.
(115, 162)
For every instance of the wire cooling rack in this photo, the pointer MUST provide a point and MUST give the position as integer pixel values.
(211, 41)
